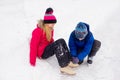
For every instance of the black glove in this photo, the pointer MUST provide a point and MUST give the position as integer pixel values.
(80, 62)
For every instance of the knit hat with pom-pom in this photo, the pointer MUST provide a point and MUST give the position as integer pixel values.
(49, 17)
(81, 30)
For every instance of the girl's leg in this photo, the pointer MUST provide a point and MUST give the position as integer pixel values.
(65, 48)
(59, 48)
(63, 56)
(49, 51)
(62, 53)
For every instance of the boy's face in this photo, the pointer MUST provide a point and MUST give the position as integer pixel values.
(81, 35)
(81, 39)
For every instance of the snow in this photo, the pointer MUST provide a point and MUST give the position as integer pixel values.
(19, 17)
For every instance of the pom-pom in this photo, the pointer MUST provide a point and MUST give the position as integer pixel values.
(49, 11)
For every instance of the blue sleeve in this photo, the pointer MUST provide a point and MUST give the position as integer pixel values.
(72, 46)
(87, 48)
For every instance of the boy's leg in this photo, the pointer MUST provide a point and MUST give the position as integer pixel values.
(95, 48)
(77, 60)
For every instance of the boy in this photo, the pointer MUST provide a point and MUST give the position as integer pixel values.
(82, 44)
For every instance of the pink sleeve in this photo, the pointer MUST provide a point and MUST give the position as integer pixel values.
(34, 46)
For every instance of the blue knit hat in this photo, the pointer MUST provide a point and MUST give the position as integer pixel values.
(81, 31)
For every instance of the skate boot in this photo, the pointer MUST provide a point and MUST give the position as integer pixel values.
(67, 70)
(72, 65)
(90, 60)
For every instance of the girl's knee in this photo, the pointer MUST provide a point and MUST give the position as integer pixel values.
(61, 40)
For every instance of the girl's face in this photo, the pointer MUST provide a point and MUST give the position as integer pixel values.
(51, 25)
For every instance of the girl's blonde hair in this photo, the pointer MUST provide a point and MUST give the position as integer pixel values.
(46, 29)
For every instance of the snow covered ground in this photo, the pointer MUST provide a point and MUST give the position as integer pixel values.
(19, 17)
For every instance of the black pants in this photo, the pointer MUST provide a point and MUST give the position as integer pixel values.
(60, 49)
(95, 48)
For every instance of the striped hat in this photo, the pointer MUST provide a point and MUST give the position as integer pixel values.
(49, 17)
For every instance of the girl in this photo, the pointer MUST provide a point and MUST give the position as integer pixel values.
(43, 46)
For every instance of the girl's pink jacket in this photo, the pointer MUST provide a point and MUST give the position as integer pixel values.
(37, 44)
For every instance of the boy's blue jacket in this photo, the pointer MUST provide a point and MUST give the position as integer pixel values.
(84, 45)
